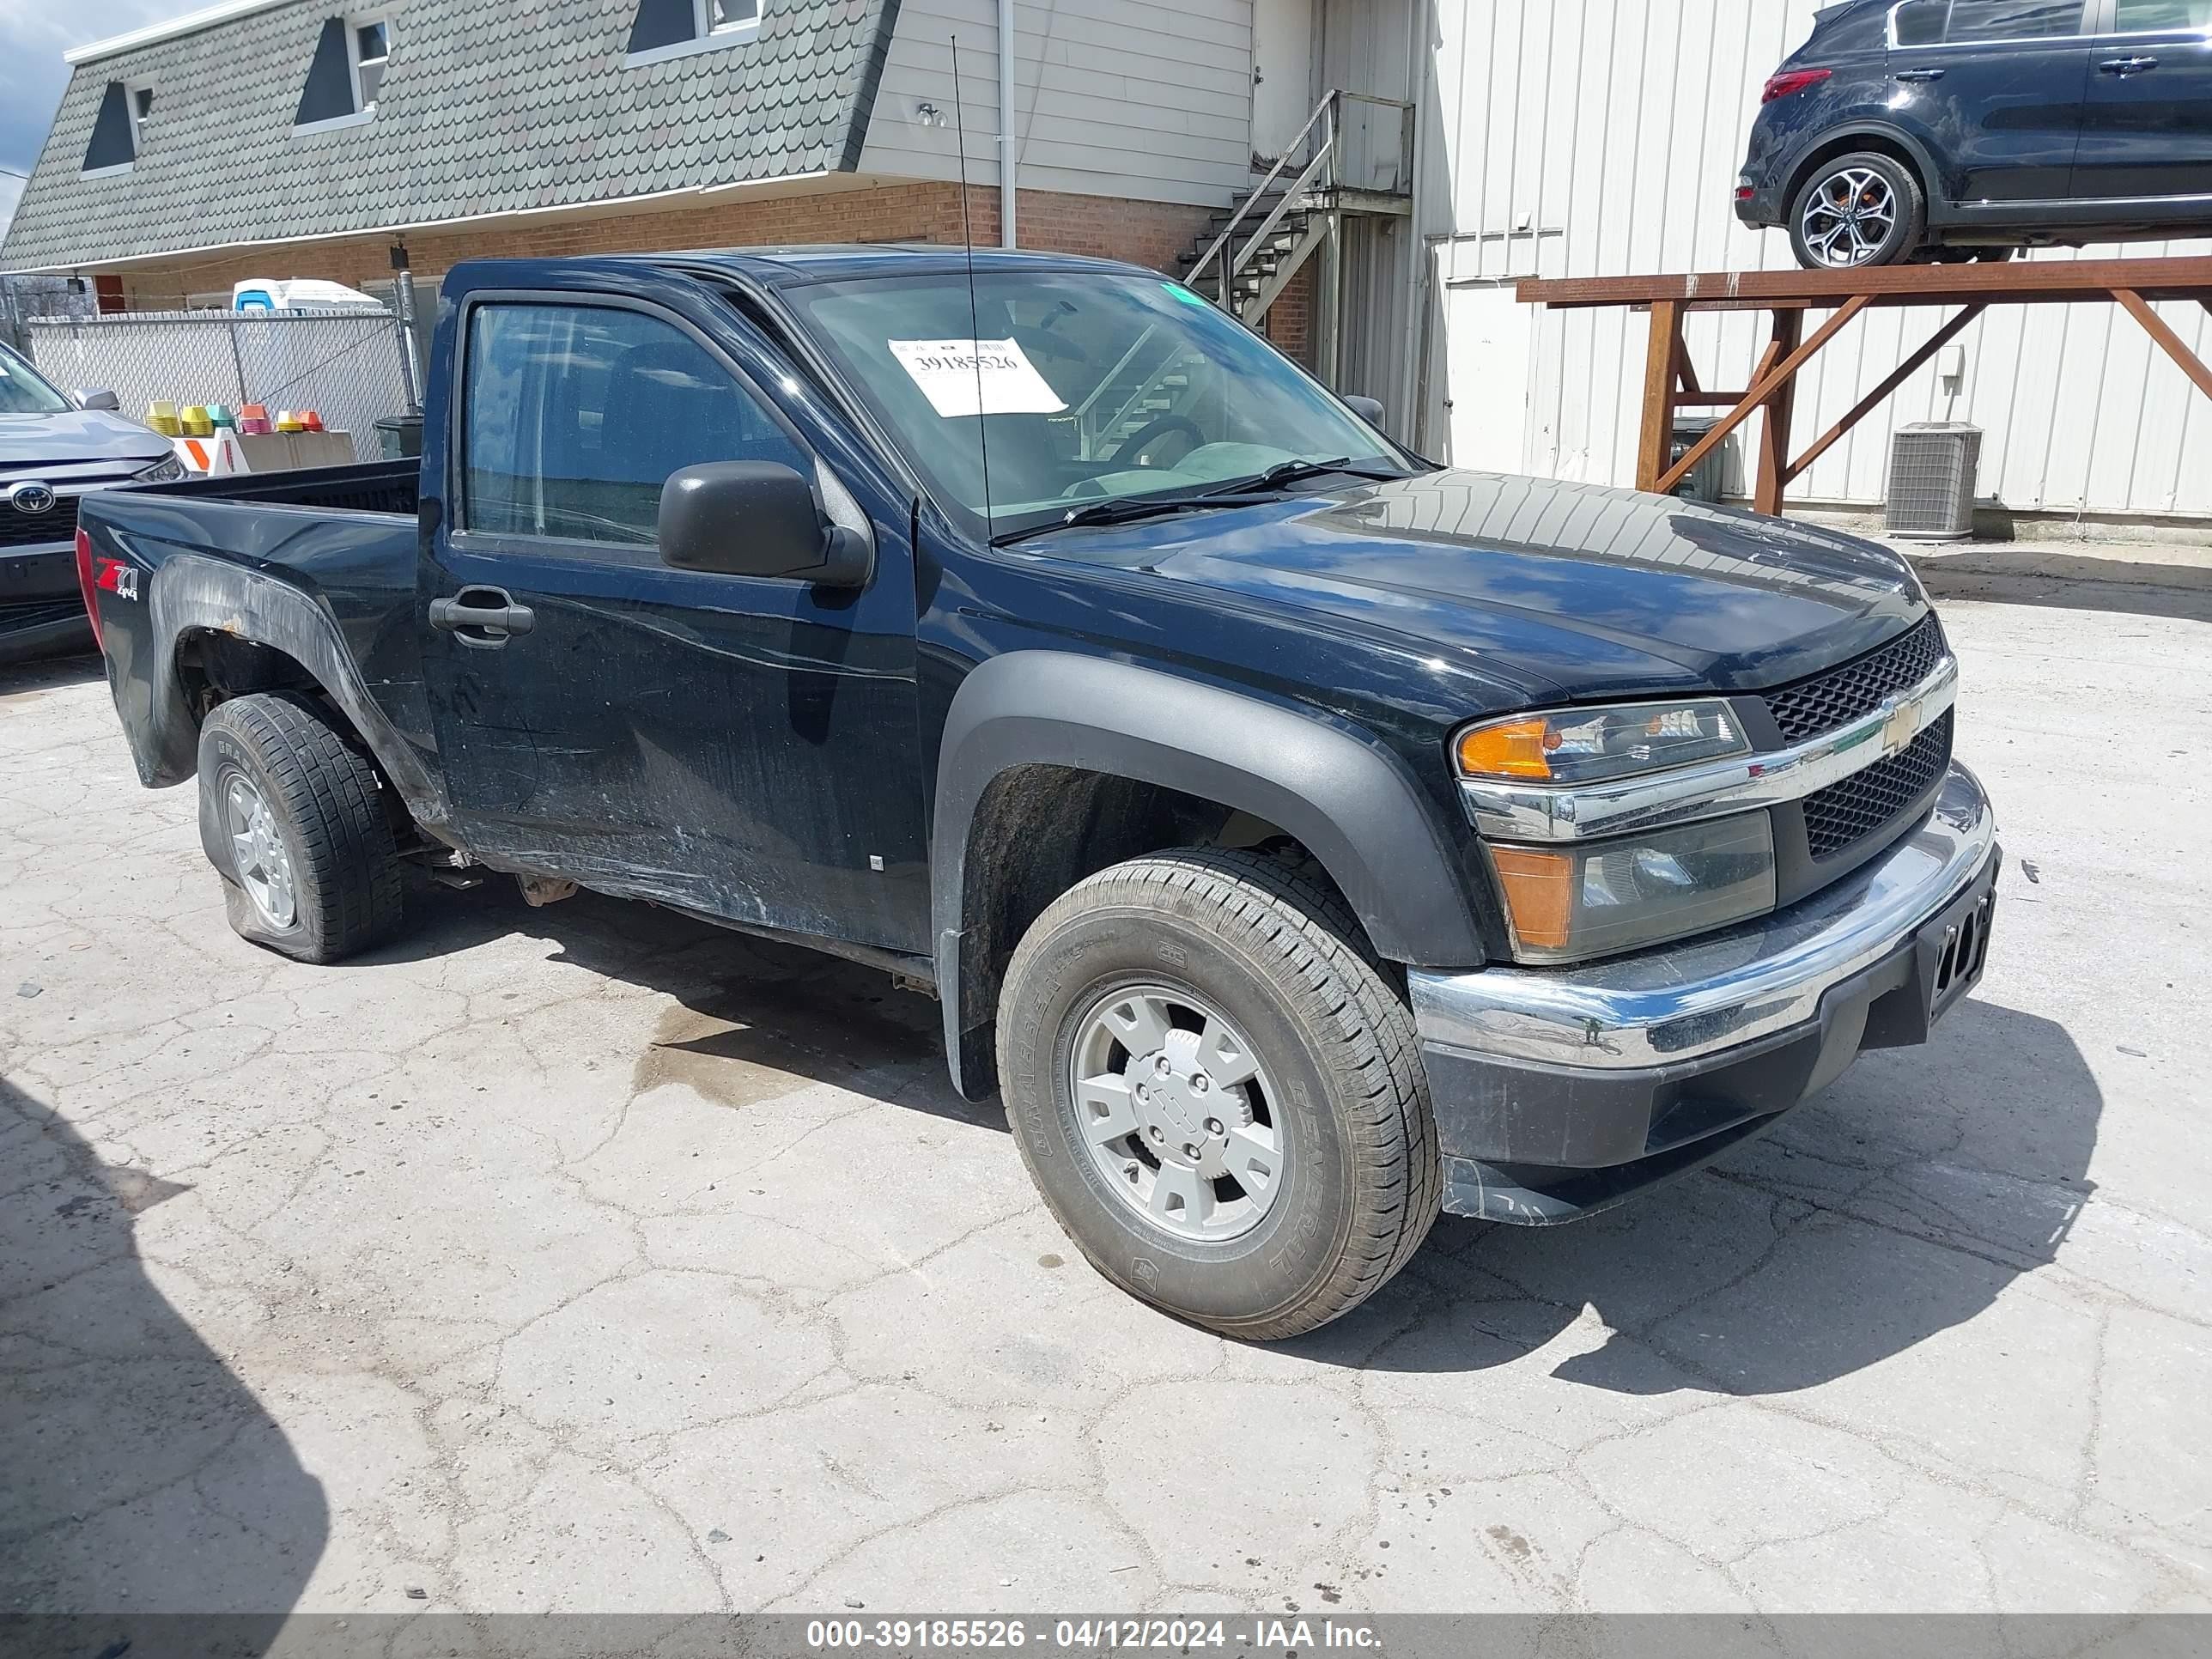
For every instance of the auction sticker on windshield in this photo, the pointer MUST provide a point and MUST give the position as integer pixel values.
(976, 377)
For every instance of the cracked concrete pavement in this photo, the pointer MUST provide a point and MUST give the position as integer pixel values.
(587, 1259)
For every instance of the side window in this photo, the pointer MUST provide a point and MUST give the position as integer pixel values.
(575, 416)
(1922, 23)
(2146, 17)
(2013, 19)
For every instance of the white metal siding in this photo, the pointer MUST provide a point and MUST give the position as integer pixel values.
(1146, 98)
(1601, 137)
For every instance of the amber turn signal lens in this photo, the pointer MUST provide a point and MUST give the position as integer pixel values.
(1508, 749)
(1540, 894)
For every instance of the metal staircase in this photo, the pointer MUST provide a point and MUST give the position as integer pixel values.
(1247, 253)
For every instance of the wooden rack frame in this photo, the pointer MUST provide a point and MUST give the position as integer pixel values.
(1670, 380)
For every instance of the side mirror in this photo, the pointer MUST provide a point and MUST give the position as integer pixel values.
(757, 519)
(100, 397)
(1369, 409)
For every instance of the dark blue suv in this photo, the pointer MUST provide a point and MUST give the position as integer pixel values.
(1965, 129)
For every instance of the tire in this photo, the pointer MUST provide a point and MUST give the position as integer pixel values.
(1863, 192)
(326, 829)
(1270, 951)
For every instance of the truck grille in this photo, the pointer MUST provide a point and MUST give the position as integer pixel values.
(1863, 802)
(1843, 695)
(58, 524)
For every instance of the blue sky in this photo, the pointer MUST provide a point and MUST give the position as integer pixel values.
(33, 35)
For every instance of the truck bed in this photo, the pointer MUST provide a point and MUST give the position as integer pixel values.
(374, 487)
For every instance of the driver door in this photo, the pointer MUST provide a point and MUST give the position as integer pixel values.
(737, 746)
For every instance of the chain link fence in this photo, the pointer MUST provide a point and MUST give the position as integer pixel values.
(343, 365)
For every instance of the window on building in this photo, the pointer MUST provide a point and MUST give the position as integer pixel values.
(575, 415)
(114, 144)
(346, 79)
(141, 112)
(1940, 22)
(717, 16)
(372, 49)
(669, 28)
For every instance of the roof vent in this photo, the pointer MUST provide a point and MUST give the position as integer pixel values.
(1933, 466)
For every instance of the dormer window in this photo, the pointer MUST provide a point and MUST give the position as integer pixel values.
(346, 79)
(141, 111)
(114, 145)
(372, 49)
(672, 28)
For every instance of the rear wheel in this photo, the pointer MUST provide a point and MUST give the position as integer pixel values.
(292, 817)
(1218, 1091)
(1862, 208)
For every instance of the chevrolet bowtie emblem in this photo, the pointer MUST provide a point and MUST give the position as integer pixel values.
(1903, 725)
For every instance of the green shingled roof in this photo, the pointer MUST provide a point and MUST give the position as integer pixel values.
(485, 109)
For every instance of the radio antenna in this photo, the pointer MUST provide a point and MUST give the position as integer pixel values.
(968, 244)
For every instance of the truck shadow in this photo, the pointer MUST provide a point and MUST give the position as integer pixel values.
(1901, 1203)
(144, 1476)
(753, 1017)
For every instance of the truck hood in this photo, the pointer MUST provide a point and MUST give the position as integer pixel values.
(30, 444)
(1561, 591)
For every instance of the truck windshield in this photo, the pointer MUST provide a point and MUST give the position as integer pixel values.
(1092, 387)
(22, 392)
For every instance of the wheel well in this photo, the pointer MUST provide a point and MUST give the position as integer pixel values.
(1039, 829)
(1874, 142)
(213, 667)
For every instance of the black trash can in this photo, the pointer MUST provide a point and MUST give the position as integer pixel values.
(399, 437)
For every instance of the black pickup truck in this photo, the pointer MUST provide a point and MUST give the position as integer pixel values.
(1301, 837)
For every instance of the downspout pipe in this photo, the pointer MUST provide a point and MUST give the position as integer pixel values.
(1007, 124)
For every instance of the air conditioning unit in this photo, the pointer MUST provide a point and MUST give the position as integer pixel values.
(1933, 466)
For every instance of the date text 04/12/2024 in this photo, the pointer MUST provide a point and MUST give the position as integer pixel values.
(1258, 1635)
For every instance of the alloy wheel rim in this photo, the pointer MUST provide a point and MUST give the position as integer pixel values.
(1851, 214)
(1177, 1112)
(257, 853)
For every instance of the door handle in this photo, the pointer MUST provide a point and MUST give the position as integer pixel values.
(1920, 75)
(481, 617)
(2128, 65)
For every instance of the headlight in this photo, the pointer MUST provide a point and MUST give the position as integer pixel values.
(1569, 903)
(167, 469)
(1586, 746)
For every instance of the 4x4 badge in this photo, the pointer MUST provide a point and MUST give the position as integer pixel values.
(114, 576)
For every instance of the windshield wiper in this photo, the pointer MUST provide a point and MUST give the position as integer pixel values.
(1291, 472)
(1238, 492)
(1123, 511)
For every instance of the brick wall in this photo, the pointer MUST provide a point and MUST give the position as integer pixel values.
(1147, 233)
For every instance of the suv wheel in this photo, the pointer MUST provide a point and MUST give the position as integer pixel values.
(1864, 209)
(1217, 1093)
(293, 817)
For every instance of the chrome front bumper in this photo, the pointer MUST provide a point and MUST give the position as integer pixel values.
(1646, 1064)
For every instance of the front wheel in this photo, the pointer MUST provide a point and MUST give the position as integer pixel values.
(1864, 209)
(1217, 1093)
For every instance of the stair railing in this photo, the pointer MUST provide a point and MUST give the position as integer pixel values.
(1325, 117)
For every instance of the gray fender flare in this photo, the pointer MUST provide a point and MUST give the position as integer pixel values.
(1347, 797)
(189, 593)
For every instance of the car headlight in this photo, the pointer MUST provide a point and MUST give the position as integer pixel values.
(1588, 746)
(1565, 903)
(167, 469)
